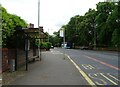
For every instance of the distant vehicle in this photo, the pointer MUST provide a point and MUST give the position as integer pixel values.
(52, 46)
(84, 48)
(65, 46)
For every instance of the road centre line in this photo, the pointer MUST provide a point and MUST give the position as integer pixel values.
(82, 73)
(104, 63)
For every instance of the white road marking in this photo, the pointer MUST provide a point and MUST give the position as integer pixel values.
(88, 66)
(113, 77)
(104, 63)
(84, 66)
(82, 73)
(108, 79)
(56, 52)
(94, 76)
(92, 66)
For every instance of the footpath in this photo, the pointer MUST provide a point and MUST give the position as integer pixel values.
(0, 79)
(53, 69)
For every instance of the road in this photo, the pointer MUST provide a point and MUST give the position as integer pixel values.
(97, 67)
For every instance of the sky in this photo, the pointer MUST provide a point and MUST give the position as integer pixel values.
(53, 13)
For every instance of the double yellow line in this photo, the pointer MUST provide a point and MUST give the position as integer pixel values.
(83, 74)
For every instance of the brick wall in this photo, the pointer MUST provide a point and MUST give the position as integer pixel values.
(18, 55)
(7, 55)
(0, 61)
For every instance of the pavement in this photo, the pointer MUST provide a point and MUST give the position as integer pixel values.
(0, 79)
(53, 69)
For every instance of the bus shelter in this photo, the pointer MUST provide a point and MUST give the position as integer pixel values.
(28, 38)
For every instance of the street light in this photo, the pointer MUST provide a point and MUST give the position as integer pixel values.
(39, 48)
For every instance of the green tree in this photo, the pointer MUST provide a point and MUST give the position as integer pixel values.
(100, 25)
(114, 19)
(104, 31)
(56, 39)
(87, 27)
(9, 24)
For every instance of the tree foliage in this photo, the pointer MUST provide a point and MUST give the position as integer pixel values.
(9, 24)
(101, 25)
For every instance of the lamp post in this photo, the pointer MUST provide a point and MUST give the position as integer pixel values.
(39, 48)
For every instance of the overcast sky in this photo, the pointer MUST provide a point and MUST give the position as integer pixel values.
(53, 13)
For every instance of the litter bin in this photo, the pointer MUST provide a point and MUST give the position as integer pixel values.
(12, 65)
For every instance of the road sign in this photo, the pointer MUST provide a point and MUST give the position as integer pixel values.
(61, 33)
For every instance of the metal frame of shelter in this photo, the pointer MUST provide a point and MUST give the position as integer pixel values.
(32, 33)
